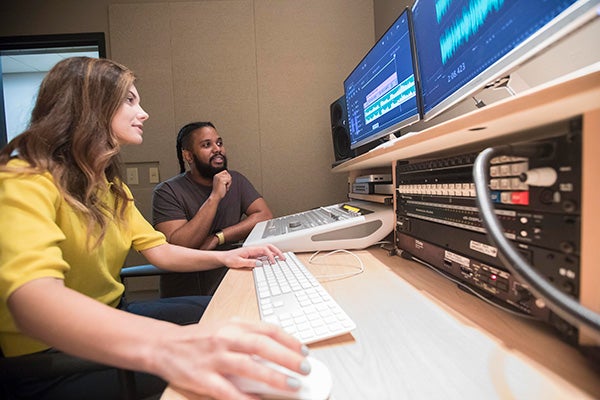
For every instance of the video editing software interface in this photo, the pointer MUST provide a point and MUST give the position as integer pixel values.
(462, 45)
(381, 93)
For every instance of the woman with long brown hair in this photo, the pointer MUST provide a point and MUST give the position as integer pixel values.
(67, 222)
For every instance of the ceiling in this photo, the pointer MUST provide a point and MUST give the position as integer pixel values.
(37, 62)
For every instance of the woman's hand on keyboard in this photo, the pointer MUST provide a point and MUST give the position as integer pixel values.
(247, 257)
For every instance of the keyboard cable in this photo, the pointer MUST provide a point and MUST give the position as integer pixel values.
(330, 277)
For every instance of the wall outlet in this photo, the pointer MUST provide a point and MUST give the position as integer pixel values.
(153, 175)
(132, 176)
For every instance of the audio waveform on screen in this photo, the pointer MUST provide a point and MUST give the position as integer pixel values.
(441, 6)
(394, 98)
(380, 90)
(470, 21)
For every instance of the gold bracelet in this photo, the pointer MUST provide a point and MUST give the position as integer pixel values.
(221, 236)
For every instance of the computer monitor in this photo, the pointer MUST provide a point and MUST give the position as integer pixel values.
(463, 45)
(381, 92)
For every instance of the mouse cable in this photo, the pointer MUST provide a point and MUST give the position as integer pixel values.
(359, 269)
(563, 305)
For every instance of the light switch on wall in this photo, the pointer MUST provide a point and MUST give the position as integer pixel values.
(153, 176)
(132, 176)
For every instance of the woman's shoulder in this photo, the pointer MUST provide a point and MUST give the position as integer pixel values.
(17, 163)
(19, 166)
(21, 173)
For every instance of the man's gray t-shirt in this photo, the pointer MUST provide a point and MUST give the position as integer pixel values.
(180, 197)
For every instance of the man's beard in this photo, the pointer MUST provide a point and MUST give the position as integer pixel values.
(206, 170)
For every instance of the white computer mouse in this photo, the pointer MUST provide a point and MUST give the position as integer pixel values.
(314, 386)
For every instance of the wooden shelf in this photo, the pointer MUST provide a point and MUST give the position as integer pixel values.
(559, 100)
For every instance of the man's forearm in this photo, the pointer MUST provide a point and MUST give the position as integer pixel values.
(195, 232)
(241, 230)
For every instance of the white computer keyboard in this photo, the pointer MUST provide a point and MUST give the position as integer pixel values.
(289, 296)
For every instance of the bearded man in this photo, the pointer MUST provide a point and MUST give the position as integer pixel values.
(206, 207)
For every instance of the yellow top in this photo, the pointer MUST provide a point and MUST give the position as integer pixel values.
(41, 235)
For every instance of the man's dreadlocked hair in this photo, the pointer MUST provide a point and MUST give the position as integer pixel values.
(183, 140)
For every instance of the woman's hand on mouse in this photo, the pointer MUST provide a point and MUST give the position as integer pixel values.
(199, 358)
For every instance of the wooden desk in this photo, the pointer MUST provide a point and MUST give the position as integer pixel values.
(420, 337)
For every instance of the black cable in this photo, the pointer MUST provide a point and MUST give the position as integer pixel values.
(560, 303)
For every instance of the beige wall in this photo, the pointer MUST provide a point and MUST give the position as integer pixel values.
(265, 72)
(386, 12)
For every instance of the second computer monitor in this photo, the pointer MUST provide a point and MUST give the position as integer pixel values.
(463, 45)
(381, 92)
